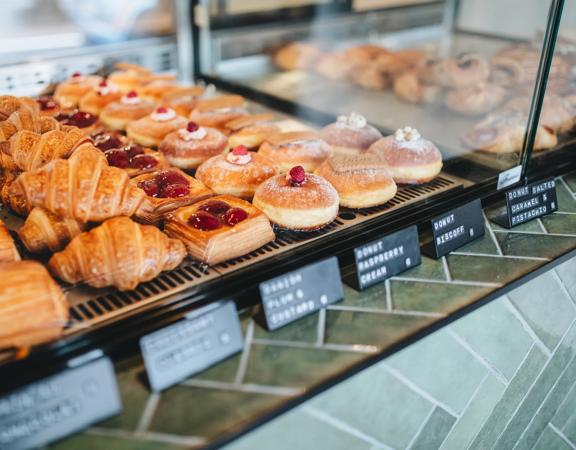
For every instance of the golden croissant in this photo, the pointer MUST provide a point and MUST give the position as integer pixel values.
(84, 188)
(19, 206)
(120, 253)
(30, 150)
(33, 308)
(8, 250)
(10, 104)
(43, 231)
(25, 119)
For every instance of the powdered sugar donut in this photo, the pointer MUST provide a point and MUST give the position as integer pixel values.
(350, 135)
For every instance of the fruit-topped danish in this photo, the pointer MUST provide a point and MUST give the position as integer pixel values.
(215, 112)
(220, 228)
(151, 129)
(237, 173)
(69, 92)
(192, 144)
(96, 99)
(298, 200)
(80, 119)
(166, 191)
(135, 159)
(251, 131)
(130, 107)
(49, 106)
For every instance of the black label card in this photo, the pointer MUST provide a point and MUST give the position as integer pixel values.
(59, 405)
(205, 337)
(457, 228)
(528, 202)
(386, 257)
(301, 292)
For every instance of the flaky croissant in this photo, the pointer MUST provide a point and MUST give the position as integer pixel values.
(43, 231)
(84, 188)
(119, 253)
(25, 119)
(8, 250)
(33, 308)
(20, 205)
(10, 104)
(30, 150)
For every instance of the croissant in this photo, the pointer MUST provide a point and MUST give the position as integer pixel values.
(6, 161)
(19, 206)
(25, 119)
(83, 188)
(119, 253)
(10, 104)
(43, 231)
(33, 308)
(8, 251)
(30, 150)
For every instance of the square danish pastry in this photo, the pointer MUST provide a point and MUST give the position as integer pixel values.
(166, 191)
(220, 228)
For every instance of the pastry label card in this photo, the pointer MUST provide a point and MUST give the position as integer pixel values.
(386, 257)
(528, 202)
(59, 405)
(203, 338)
(456, 228)
(301, 292)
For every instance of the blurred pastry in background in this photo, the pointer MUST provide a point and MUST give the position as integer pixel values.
(410, 88)
(69, 92)
(334, 66)
(215, 112)
(466, 69)
(475, 100)
(96, 99)
(296, 55)
(182, 100)
(129, 76)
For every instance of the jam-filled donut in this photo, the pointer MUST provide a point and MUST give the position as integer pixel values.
(303, 148)
(190, 146)
(362, 181)
(95, 100)
(298, 200)
(409, 157)
(131, 107)
(237, 173)
(69, 92)
(182, 100)
(350, 135)
(251, 131)
(150, 130)
(49, 106)
(215, 112)
(81, 119)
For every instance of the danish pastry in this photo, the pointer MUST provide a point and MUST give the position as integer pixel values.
(150, 130)
(49, 106)
(80, 119)
(136, 160)
(350, 135)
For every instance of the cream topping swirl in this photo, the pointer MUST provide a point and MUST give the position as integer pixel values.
(197, 135)
(238, 159)
(164, 116)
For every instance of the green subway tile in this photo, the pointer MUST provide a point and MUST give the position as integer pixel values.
(377, 404)
(441, 367)
(566, 201)
(87, 441)
(306, 432)
(567, 410)
(303, 330)
(541, 245)
(531, 226)
(545, 307)
(297, 367)
(550, 440)
(488, 328)
(475, 415)
(430, 269)
(567, 273)
(485, 244)
(560, 223)
(434, 431)
(207, 413)
(378, 329)
(433, 297)
(550, 406)
(488, 268)
(571, 181)
(224, 371)
(374, 297)
(512, 397)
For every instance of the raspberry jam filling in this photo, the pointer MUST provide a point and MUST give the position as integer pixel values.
(239, 155)
(130, 157)
(168, 184)
(80, 119)
(215, 214)
(106, 141)
(296, 176)
(47, 102)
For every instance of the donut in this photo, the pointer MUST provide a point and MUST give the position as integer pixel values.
(238, 173)
(292, 148)
(117, 115)
(49, 106)
(350, 135)
(475, 100)
(251, 131)
(334, 66)
(215, 112)
(297, 200)
(95, 100)
(190, 146)
(362, 181)
(69, 92)
(369, 76)
(129, 76)
(150, 130)
(467, 69)
(409, 158)
(154, 90)
(558, 113)
(296, 55)
(361, 54)
(182, 100)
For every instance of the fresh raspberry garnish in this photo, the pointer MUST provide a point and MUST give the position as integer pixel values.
(134, 150)
(234, 216)
(47, 102)
(240, 150)
(118, 158)
(150, 187)
(297, 176)
(171, 177)
(103, 83)
(175, 190)
(204, 221)
(143, 162)
(215, 207)
(192, 127)
(132, 94)
(162, 110)
(106, 141)
(76, 74)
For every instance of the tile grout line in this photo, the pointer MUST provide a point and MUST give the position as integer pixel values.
(487, 365)
(243, 365)
(526, 326)
(456, 282)
(400, 377)
(567, 187)
(572, 324)
(255, 388)
(537, 233)
(492, 235)
(388, 295)
(147, 436)
(533, 258)
(321, 330)
(343, 426)
(148, 413)
(446, 269)
(563, 287)
(567, 213)
(353, 348)
(544, 230)
(524, 358)
(562, 436)
(397, 312)
(420, 428)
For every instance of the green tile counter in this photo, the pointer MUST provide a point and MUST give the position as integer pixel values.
(502, 376)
